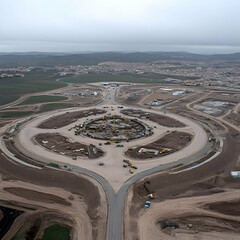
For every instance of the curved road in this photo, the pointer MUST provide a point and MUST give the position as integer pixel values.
(116, 201)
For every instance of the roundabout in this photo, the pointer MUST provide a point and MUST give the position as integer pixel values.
(73, 138)
(110, 132)
(114, 128)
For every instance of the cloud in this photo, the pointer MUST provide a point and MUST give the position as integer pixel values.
(176, 22)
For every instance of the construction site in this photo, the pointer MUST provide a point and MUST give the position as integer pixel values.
(65, 146)
(114, 128)
(168, 172)
(168, 144)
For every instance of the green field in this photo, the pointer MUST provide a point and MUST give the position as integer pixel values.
(52, 106)
(123, 77)
(15, 114)
(42, 99)
(56, 232)
(35, 81)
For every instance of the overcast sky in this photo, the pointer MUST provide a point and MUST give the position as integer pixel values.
(120, 25)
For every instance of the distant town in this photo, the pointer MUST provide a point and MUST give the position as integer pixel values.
(211, 74)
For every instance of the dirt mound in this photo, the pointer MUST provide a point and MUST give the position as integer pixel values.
(160, 119)
(37, 196)
(67, 118)
(202, 225)
(172, 141)
(61, 144)
(230, 208)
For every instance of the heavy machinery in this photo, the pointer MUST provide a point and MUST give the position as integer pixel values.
(147, 204)
(70, 148)
(211, 139)
(133, 166)
(150, 196)
(164, 151)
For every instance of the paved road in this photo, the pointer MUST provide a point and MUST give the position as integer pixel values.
(116, 201)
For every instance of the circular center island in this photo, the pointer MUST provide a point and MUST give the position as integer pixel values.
(114, 128)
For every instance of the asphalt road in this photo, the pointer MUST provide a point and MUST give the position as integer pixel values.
(116, 201)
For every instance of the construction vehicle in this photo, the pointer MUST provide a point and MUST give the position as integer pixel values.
(164, 151)
(119, 145)
(211, 139)
(131, 171)
(150, 196)
(54, 164)
(180, 164)
(147, 204)
(133, 166)
(70, 148)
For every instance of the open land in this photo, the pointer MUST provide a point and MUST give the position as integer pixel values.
(62, 145)
(173, 119)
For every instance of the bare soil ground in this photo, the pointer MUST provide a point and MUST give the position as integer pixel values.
(233, 118)
(32, 225)
(67, 118)
(61, 144)
(165, 95)
(209, 179)
(229, 208)
(160, 119)
(85, 101)
(207, 227)
(35, 195)
(3, 123)
(51, 178)
(131, 95)
(172, 141)
(215, 106)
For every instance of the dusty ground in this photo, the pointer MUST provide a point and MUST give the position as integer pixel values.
(112, 170)
(209, 224)
(186, 190)
(45, 200)
(131, 95)
(233, 118)
(160, 119)
(215, 106)
(172, 141)
(165, 94)
(67, 118)
(178, 196)
(63, 145)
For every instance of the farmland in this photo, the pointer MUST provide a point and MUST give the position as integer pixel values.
(122, 77)
(35, 81)
(42, 99)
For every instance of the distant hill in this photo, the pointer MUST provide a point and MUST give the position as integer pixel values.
(53, 59)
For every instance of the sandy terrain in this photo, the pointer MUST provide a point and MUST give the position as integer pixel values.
(171, 141)
(74, 210)
(78, 206)
(158, 118)
(62, 145)
(67, 118)
(204, 196)
(211, 225)
(112, 170)
(212, 213)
